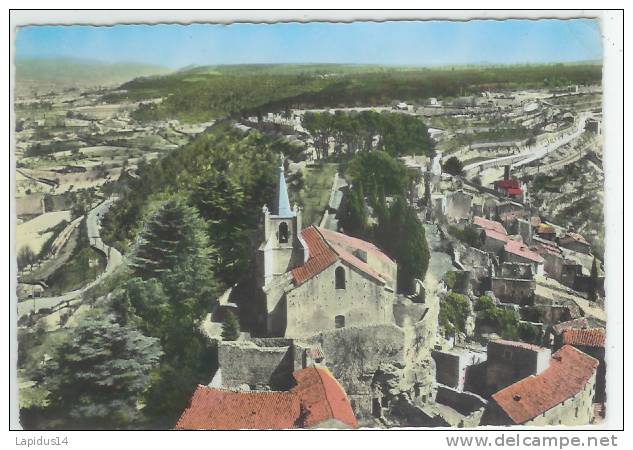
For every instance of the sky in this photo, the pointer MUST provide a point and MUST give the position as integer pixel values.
(409, 43)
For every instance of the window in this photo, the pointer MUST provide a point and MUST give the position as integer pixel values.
(283, 233)
(339, 321)
(339, 276)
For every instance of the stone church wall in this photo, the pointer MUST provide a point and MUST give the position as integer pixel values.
(315, 305)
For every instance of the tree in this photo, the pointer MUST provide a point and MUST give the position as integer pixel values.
(354, 220)
(26, 257)
(380, 169)
(453, 166)
(173, 238)
(99, 371)
(402, 235)
(454, 311)
(230, 327)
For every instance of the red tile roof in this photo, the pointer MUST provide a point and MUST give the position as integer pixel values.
(496, 235)
(352, 243)
(514, 191)
(570, 324)
(323, 252)
(587, 337)
(316, 397)
(520, 249)
(568, 373)
(512, 183)
(489, 225)
(320, 256)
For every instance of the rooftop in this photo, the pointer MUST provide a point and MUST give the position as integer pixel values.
(568, 373)
(317, 397)
(325, 247)
(520, 249)
(586, 337)
(489, 225)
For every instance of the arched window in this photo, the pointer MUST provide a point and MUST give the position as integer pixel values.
(339, 275)
(283, 233)
(339, 321)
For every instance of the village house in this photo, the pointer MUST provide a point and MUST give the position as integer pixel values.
(494, 235)
(560, 394)
(575, 242)
(514, 284)
(546, 231)
(592, 342)
(451, 366)
(316, 401)
(510, 361)
(517, 251)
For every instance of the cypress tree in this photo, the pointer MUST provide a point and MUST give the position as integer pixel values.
(230, 327)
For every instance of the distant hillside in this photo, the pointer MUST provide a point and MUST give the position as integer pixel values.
(290, 69)
(208, 92)
(81, 72)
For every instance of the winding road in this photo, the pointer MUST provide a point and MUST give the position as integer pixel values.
(113, 256)
(532, 153)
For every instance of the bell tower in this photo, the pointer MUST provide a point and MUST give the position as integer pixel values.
(282, 248)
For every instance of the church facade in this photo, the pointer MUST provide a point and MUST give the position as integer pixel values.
(313, 279)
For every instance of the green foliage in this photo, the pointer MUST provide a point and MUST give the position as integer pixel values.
(206, 93)
(379, 171)
(398, 231)
(354, 219)
(226, 175)
(469, 235)
(506, 322)
(449, 278)
(230, 327)
(97, 374)
(173, 238)
(402, 235)
(454, 311)
(453, 166)
(398, 134)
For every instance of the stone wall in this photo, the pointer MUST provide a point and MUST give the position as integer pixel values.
(513, 290)
(508, 364)
(465, 403)
(458, 205)
(258, 366)
(452, 366)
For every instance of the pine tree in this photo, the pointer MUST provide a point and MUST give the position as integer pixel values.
(99, 371)
(230, 327)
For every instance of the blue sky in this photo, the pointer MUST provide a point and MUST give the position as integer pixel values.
(428, 43)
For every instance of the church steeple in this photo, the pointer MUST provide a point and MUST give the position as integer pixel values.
(282, 247)
(281, 207)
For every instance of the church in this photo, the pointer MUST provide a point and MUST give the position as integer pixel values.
(313, 279)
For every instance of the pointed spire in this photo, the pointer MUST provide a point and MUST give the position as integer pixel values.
(282, 204)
